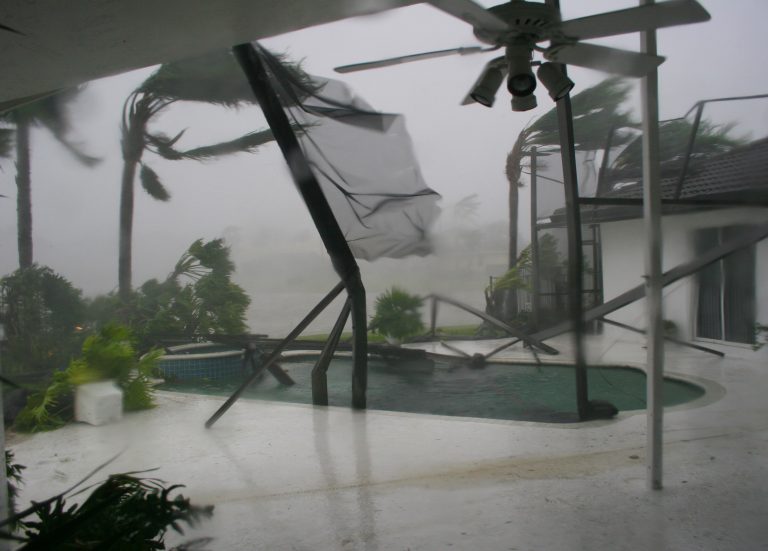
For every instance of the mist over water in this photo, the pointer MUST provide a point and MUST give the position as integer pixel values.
(286, 281)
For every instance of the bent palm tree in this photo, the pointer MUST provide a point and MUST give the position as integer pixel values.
(674, 135)
(216, 79)
(49, 112)
(596, 111)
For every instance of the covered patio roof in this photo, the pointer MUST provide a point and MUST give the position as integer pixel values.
(49, 44)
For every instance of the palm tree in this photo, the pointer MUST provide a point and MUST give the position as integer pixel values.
(51, 113)
(674, 135)
(596, 111)
(216, 79)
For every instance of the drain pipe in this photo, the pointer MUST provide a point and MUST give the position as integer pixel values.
(649, 89)
(333, 238)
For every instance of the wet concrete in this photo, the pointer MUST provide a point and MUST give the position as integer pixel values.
(286, 476)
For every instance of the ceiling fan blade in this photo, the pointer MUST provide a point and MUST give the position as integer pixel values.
(602, 58)
(642, 18)
(408, 58)
(472, 13)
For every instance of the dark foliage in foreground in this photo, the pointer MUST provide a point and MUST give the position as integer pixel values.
(124, 513)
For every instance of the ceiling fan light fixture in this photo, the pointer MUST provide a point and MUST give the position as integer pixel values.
(485, 90)
(521, 84)
(520, 81)
(523, 103)
(554, 80)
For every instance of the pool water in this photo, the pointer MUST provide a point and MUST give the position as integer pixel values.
(498, 391)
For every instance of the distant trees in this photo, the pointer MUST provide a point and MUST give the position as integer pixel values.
(50, 113)
(43, 316)
(198, 299)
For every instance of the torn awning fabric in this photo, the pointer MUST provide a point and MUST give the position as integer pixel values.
(364, 162)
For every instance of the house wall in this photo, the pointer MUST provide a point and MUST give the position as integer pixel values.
(623, 266)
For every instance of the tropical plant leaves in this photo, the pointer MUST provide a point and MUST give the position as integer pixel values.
(674, 136)
(213, 78)
(150, 181)
(163, 145)
(397, 314)
(52, 113)
(244, 144)
(122, 513)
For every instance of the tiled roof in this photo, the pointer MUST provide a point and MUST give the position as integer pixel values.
(739, 170)
(741, 174)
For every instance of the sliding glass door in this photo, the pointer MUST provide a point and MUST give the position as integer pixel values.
(726, 290)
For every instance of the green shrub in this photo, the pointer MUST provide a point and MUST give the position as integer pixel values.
(198, 299)
(43, 314)
(397, 314)
(106, 355)
(48, 409)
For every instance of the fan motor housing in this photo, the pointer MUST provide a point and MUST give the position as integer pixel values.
(529, 19)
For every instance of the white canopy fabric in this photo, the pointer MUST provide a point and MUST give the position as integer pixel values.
(365, 164)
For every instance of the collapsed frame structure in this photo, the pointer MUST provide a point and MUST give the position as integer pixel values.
(346, 266)
(343, 261)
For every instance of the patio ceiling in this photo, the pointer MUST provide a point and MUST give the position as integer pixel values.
(65, 43)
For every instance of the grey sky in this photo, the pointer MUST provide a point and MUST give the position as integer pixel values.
(250, 199)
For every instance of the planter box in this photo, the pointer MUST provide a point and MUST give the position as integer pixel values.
(98, 403)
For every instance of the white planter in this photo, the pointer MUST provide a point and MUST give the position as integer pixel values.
(98, 403)
(394, 341)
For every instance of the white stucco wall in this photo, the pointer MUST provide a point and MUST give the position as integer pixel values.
(623, 264)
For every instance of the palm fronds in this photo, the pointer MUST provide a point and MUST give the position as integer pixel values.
(247, 143)
(150, 181)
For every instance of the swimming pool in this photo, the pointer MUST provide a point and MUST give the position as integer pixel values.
(200, 361)
(499, 391)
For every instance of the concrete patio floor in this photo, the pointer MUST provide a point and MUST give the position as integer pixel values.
(285, 476)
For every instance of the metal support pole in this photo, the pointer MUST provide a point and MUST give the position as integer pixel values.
(536, 287)
(333, 238)
(433, 317)
(276, 353)
(747, 238)
(359, 341)
(319, 372)
(601, 175)
(575, 252)
(653, 263)
(4, 512)
(670, 339)
(496, 323)
(689, 150)
(502, 347)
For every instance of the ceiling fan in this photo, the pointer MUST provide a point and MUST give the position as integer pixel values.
(519, 26)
